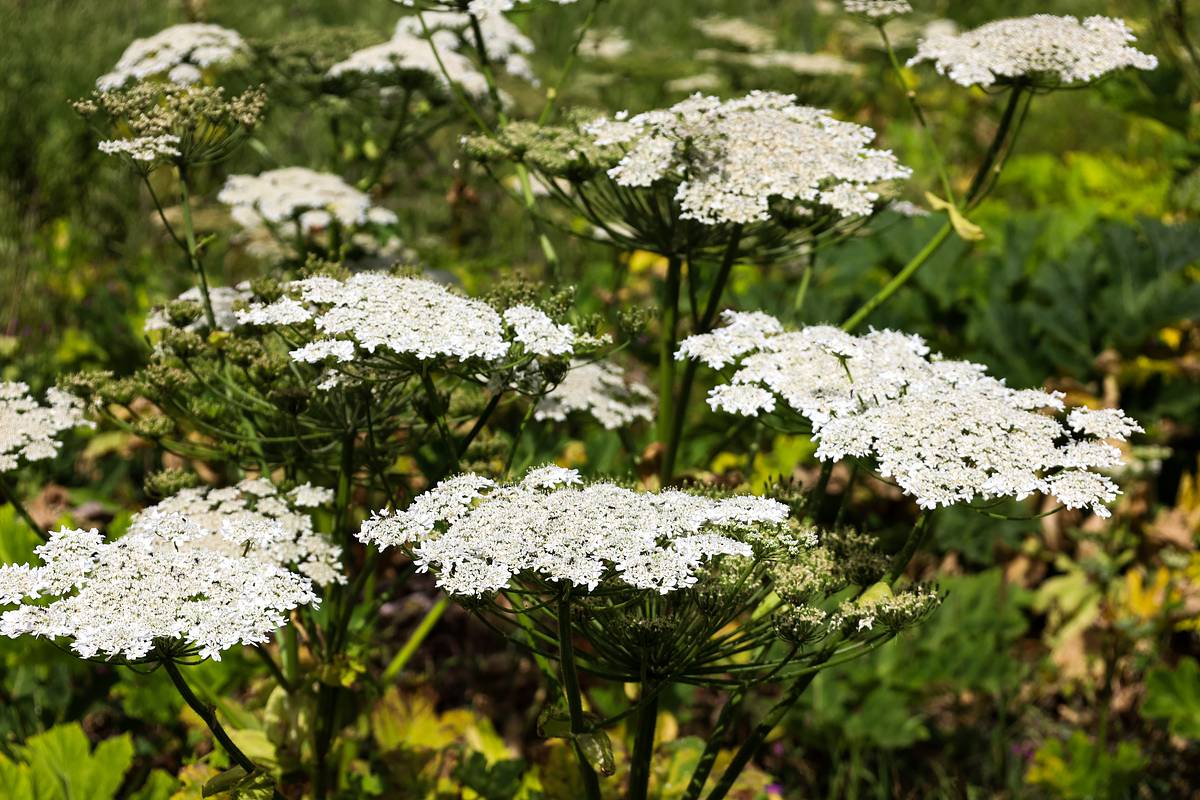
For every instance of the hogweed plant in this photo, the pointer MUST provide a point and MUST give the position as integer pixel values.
(354, 425)
(650, 589)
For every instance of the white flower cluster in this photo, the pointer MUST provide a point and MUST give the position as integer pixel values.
(414, 317)
(223, 299)
(476, 7)
(601, 389)
(944, 430)
(479, 536)
(181, 52)
(406, 53)
(605, 44)
(310, 200)
(1046, 49)
(28, 428)
(122, 598)
(143, 148)
(503, 41)
(878, 9)
(255, 512)
(731, 158)
(737, 31)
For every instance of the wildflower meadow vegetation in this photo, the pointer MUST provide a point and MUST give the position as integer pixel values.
(599, 399)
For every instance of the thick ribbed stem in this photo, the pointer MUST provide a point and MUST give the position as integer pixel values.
(759, 735)
(669, 317)
(570, 682)
(643, 745)
(207, 713)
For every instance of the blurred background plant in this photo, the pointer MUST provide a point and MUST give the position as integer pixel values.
(1063, 663)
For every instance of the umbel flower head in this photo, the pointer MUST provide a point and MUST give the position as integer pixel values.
(164, 123)
(781, 172)
(299, 203)
(255, 513)
(943, 430)
(407, 322)
(185, 312)
(408, 62)
(148, 595)
(29, 430)
(480, 537)
(878, 10)
(477, 7)
(601, 389)
(179, 53)
(1044, 51)
(503, 41)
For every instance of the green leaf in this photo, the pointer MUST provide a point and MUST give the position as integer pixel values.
(159, 786)
(59, 765)
(1174, 696)
(499, 781)
(597, 749)
(240, 785)
(227, 781)
(554, 723)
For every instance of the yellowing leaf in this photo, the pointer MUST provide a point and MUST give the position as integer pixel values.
(966, 230)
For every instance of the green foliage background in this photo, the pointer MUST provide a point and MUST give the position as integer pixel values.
(1089, 277)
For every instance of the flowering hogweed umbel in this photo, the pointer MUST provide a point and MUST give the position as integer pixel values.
(476, 7)
(1044, 50)
(375, 313)
(599, 388)
(224, 300)
(301, 198)
(257, 513)
(180, 52)
(409, 60)
(732, 158)
(503, 41)
(147, 592)
(480, 537)
(944, 430)
(878, 10)
(29, 431)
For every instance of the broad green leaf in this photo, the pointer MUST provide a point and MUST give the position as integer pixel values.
(1174, 696)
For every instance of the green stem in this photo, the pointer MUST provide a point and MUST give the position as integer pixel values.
(978, 190)
(274, 668)
(991, 161)
(555, 91)
(900, 278)
(327, 694)
(666, 360)
(512, 452)
(10, 496)
(643, 745)
(207, 713)
(570, 682)
(916, 538)
(377, 168)
(527, 196)
(289, 651)
(805, 282)
(415, 639)
(704, 325)
(759, 735)
(712, 747)
(193, 254)
(919, 114)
